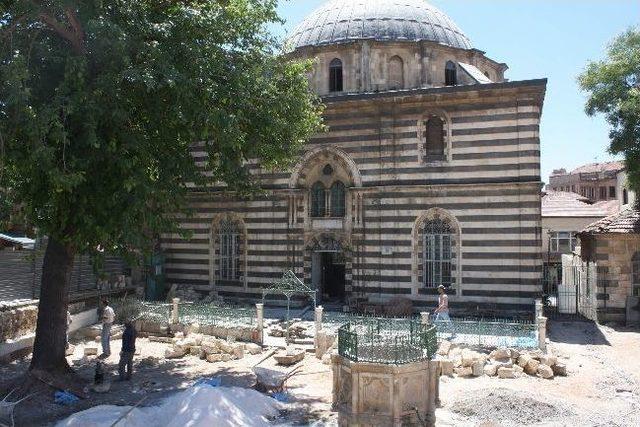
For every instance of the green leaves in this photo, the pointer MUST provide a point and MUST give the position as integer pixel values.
(613, 85)
(100, 104)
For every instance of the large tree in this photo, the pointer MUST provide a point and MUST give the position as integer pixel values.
(613, 85)
(100, 103)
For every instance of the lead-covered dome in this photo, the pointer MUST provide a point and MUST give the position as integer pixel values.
(340, 21)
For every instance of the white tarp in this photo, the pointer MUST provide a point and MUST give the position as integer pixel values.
(197, 406)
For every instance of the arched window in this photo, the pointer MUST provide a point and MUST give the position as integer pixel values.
(434, 139)
(335, 76)
(396, 73)
(635, 274)
(437, 250)
(318, 203)
(229, 251)
(450, 74)
(337, 200)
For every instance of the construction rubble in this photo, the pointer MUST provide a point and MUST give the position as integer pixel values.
(205, 347)
(502, 362)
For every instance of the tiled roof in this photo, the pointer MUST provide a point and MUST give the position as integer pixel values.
(627, 221)
(567, 204)
(599, 167)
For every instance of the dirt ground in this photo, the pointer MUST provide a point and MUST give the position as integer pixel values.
(602, 388)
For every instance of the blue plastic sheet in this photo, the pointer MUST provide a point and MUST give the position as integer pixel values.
(64, 398)
(211, 381)
(281, 397)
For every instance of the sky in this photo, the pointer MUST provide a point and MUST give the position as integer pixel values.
(537, 38)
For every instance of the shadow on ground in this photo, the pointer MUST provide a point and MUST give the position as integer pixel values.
(153, 380)
(576, 332)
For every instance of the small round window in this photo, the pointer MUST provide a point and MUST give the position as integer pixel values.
(327, 170)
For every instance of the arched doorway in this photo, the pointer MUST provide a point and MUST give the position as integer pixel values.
(328, 269)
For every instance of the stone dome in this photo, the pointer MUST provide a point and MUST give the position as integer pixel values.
(342, 21)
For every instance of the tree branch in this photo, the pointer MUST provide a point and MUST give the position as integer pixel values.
(66, 33)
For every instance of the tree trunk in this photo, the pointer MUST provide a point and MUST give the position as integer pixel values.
(50, 341)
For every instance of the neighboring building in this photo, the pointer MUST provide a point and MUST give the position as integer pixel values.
(596, 181)
(614, 244)
(429, 175)
(564, 215)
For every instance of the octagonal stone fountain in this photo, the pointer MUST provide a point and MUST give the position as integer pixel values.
(384, 375)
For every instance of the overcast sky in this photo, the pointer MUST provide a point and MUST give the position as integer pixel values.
(537, 38)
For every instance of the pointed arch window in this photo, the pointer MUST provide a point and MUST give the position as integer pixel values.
(450, 74)
(335, 76)
(337, 200)
(434, 139)
(229, 250)
(437, 245)
(396, 73)
(318, 202)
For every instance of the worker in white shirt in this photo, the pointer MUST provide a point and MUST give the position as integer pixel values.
(108, 317)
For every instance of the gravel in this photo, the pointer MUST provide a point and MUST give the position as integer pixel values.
(508, 408)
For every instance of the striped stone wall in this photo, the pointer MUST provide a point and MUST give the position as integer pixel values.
(490, 184)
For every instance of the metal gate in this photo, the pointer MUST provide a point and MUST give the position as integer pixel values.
(569, 291)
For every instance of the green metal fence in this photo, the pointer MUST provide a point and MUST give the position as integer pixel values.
(489, 332)
(387, 341)
(211, 314)
(205, 314)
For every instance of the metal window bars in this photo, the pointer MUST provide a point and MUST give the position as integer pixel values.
(437, 251)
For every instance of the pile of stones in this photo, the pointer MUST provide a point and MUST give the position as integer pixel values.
(205, 347)
(297, 331)
(17, 318)
(502, 363)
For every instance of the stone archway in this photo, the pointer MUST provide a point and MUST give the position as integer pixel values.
(328, 267)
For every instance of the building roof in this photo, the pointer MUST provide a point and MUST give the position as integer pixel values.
(341, 21)
(625, 222)
(599, 167)
(567, 204)
(22, 241)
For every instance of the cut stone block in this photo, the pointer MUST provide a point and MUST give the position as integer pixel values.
(548, 359)
(445, 346)
(532, 367)
(446, 367)
(490, 370)
(477, 368)
(500, 353)
(506, 373)
(523, 360)
(253, 348)
(213, 358)
(464, 371)
(545, 371)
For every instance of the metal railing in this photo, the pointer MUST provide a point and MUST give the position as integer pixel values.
(387, 341)
(211, 314)
(489, 332)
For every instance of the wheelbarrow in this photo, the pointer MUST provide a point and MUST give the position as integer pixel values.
(270, 380)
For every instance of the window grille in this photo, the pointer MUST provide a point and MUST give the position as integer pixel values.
(229, 251)
(437, 252)
(335, 76)
(337, 200)
(318, 205)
